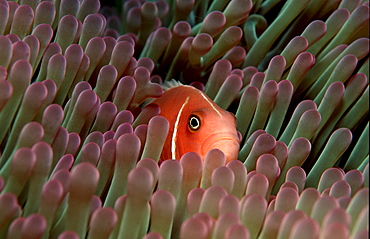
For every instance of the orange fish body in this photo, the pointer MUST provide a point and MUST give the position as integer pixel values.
(197, 124)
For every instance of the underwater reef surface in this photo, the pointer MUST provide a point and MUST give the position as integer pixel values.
(80, 147)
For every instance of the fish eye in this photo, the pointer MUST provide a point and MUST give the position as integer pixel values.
(194, 122)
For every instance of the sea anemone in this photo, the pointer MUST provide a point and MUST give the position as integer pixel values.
(80, 141)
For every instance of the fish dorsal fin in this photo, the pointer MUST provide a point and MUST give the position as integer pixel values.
(165, 86)
(170, 84)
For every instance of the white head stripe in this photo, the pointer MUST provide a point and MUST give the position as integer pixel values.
(218, 112)
(174, 134)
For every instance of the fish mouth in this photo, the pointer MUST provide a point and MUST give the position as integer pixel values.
(228, 143)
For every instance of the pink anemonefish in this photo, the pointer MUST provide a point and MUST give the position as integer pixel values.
(197, 124)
